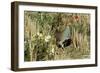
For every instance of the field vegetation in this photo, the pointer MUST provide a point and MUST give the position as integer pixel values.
(40, 40)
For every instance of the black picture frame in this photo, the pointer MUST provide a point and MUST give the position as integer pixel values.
(15, 33)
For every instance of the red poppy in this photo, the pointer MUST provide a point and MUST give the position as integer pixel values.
(76, 17)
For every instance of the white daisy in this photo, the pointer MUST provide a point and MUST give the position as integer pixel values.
(39, 34)
(47, 38)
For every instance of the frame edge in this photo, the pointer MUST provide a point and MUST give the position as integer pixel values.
(14, 36)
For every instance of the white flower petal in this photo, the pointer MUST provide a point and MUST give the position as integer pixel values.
(38, 33)
(46, 40)
(52, 50)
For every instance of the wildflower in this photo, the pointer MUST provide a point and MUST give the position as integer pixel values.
(39, 34)
(52, 50)
(76, 17)
(47, 38)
